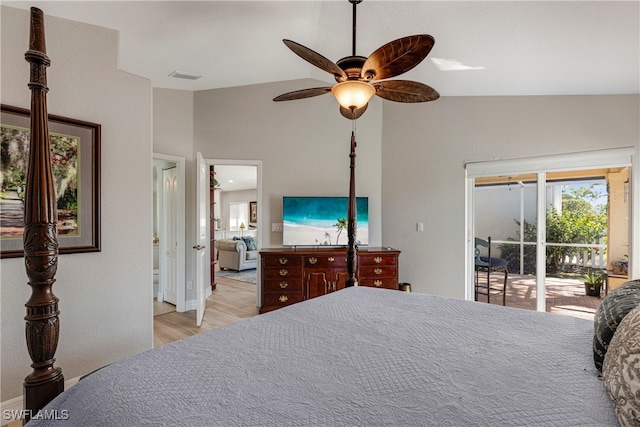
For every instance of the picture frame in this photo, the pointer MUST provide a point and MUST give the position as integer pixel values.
(75, 152)
(253, 212)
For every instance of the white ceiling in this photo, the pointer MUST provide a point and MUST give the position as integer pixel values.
(508, 48)
(236, 177)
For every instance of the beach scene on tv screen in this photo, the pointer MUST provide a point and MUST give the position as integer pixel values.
(322, 221)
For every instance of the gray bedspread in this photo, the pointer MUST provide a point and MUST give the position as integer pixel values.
(358, 357)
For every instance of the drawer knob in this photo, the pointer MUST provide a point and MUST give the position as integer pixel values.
(313, 260)
(284, 284)
(331, 259)
(377, 271)
(377, 283)
(283, 260)
(377, 260)
(283, 298)
(283, 272)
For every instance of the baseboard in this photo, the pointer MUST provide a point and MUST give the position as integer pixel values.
(192, 304)
(12, 407)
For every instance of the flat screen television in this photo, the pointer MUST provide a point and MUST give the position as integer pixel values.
(322, 221)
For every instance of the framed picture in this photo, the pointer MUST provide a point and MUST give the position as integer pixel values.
(75, 158)
(253, 211)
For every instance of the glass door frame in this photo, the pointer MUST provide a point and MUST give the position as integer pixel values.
(617, 157)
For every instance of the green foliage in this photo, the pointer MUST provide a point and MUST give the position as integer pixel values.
(592, 278)
(14, 156)
(69, 200)
(578, 223)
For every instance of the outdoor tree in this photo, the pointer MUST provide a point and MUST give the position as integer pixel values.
(581, 221)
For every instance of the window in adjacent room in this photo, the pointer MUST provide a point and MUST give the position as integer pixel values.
(238, 214)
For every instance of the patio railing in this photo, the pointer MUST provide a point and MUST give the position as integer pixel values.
(587, 255)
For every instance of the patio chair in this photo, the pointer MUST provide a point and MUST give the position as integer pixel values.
(489, 265)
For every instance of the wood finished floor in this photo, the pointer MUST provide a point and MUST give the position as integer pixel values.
(230, 302)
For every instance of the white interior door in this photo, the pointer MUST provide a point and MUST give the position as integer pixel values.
(203, 279)
(170, 236)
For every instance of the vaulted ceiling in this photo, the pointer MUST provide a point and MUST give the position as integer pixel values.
(482, 47)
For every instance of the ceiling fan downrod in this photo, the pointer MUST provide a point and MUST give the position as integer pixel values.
(353, 39)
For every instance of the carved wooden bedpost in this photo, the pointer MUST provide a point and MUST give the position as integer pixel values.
(351, 218)
(40, 235)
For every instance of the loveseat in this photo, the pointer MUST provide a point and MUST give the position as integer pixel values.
(234, 255)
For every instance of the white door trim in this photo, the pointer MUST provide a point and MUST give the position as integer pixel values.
(181, 224)
(558, 162)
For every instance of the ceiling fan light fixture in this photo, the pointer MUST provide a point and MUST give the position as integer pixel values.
(353, 94)
(360, 78)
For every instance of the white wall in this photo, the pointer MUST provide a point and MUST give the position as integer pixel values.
(303, 145)
(228, 197)
(425, 147)
(498, 208)
(105, 297)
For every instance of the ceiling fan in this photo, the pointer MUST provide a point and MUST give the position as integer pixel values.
(360, 78)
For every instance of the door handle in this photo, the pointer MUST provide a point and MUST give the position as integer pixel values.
(198, 247)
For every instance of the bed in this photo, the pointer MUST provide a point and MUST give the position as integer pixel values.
(357, 357)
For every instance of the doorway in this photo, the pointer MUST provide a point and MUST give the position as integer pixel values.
(519, 203)
(168, 234)
(237, 211)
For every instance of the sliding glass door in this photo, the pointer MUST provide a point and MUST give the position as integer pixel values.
(553, 222)
(505, 212)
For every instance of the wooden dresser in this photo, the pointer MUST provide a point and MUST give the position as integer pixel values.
(293, 275)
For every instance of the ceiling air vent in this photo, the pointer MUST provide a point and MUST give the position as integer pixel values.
(179, 75)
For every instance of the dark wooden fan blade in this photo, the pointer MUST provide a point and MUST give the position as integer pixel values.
(397, 57)
(316, 59)
(405, 91)
(301, 94)
(347, 113)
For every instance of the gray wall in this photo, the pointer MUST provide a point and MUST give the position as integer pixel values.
(425, 147)
(105, 297)
(304, 145)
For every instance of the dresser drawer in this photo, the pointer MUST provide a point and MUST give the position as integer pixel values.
(373, 260)
(382, 282)
(282, 261)
(288, 284)
(338, 260)
(293, 275)
(282, 273)
(377, 272)
(274, 301)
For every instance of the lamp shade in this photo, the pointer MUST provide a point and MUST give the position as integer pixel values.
(353, 94)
